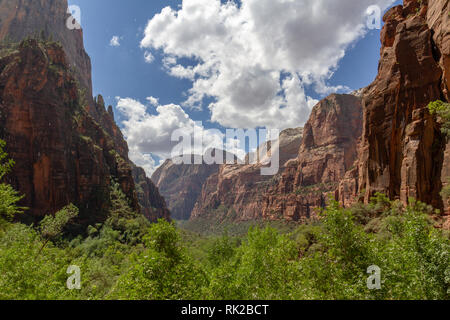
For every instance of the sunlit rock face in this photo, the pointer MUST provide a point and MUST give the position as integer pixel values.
(66, 144)
(48, 19)
(402, 150)
(403, 153)
(181, 184)
(328, 150)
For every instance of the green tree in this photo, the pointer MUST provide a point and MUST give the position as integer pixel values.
(264, 267)
(412, 254)
(22, 276)
(442, 111)
(221, 251)
(53, 226)
(8, 196)
(131, 225)
(163, 271)
(5, 163)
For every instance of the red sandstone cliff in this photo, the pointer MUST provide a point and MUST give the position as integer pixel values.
(327, 152)
(62, 154)
(237, 192)
(403, 152)
(66, 145)
(181, 185)
(47, 18)
(313, 160)
(153, 205)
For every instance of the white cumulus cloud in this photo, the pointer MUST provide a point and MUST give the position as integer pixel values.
(255, 58)
(150, 134)
(115, 41)
(148, 56)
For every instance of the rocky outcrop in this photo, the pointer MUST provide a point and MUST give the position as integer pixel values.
(153, 205)
(181, 184)
(313, 161)
(62, 154)
(47, 19)
(66, 145)
(327, 152)
(237, 192)
(402, 148)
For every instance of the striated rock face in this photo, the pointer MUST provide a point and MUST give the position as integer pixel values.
(62, 154)
(181, 184)
(153, 205)
(327, 152)
(47, 107)
(313, 161)
(402, 148)
(47, 18)
(237, 192)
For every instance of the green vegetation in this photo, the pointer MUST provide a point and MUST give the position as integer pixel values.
(442, 111)
(126, 257)
(8, 196)
(203, 227)
(317, 189)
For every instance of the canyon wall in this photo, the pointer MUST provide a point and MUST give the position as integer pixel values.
(237, 192)
(20, 19)
(181, 185)
(66, 144)
(327, 152)
(403, 152)
(380, 139)
(313, 160)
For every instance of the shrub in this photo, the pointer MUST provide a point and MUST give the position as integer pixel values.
(8, 196)
(163, 271)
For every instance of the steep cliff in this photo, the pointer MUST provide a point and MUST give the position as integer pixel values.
(327, 152)
(46, 84)
(47, 19)
(62, 155)
(153, 205)
(181, 184)
(402, 152)
(237, 192)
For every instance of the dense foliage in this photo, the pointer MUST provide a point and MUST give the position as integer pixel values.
(442, 111)
(128, 258)
(8, 196)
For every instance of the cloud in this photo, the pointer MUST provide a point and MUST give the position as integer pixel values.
(255, 58)
(148, 56)
(115, 41)
(144, 161)
(153, 101)
(151, 134)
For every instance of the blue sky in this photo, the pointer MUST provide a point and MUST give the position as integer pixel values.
(121, 71)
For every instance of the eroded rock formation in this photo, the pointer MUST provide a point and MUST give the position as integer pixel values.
(327, 152)
(181, 185)
(47, 19)
(313, 160)
(237, 192)
(62, 154)
(402, 149)
(66, 145)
